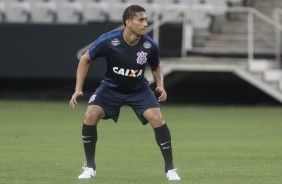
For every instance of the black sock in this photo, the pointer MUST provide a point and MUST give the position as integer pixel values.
(89, 137)
(164, 141)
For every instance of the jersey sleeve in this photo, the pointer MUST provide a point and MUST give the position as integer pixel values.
(154, 59)
(97, 49)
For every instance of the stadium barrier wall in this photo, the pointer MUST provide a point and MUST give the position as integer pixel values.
(49, 51)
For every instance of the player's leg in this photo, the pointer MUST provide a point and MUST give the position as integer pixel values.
(103, 104)
(147, 108)
(162, 135)
(163, 138)
(93, 115)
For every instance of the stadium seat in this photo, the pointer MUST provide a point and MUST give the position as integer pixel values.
(220, 6)
(235, 1)
(43, 12)
(110, 2)
(95, 11)
(60, 1)
(139, 2)
(89, 1)
(33, 1)
(2, 11)
(151, 9)
(200, 17)
(164, 2)
(115, 14)
(69, 12)
(8, 1)
(18, 12)
(188, 2)
(168, 9)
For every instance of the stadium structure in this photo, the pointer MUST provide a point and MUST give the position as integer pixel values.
(237, 37)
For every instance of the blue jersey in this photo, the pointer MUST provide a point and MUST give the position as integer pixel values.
(125, 63)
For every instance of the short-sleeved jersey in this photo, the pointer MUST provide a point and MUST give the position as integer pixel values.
(125, 63)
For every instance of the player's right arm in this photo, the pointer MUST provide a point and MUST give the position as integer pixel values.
(81, 73)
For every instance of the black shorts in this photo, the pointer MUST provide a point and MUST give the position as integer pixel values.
(111, 100)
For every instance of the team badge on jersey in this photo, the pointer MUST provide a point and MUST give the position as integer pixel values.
(147, 45)
(141, 59)
(115, 42)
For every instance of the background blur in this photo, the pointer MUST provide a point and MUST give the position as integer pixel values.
(213, 51)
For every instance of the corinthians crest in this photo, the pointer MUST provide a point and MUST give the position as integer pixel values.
(141, 59)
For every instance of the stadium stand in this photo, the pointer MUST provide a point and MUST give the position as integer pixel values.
(166, 9)
(69, 12)
(115, 14)
(228, 34)
(137, 1)
(2, 11)
(43, 12)
(212, 31)
(78, 11)
(95, 11)
(9, 1)
(215, 32)
(164, 1)
(33, 1)
(17, 12)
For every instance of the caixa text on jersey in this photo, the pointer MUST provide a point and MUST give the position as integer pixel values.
(128, 72)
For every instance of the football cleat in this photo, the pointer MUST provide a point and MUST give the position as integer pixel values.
(87, 173)
(172, 175)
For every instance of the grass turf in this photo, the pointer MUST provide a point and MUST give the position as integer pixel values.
(41, 143)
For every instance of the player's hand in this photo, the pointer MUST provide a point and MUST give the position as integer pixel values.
(162, 93)
(73, 101)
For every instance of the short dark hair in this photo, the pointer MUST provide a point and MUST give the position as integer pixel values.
(130, 11)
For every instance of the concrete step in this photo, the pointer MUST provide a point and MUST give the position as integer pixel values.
(269, 3)
(211, 60)
(230, 27)
(230, 37)
(239, 24)
(225, 37)
(273, 75)
(242, 29)
(231, 50)
(261, 65)
(266, 10)
(234, 43)
(280, 85)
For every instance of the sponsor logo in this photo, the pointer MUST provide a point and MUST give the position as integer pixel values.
(164, 143)
(147, 45)
(115, 42)
(84, 137)
(127, 72)
(141, 59)
(86, 141)
(92, 98)
(164, 148)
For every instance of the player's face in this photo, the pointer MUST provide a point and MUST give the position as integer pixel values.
(138, 24)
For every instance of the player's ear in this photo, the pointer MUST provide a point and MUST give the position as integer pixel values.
(128, 22)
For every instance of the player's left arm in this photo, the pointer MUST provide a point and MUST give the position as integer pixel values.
(159, 80)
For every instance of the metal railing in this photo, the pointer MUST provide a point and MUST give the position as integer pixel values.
(186, 12)
(276, 15)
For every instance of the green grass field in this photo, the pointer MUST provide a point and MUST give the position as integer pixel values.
(41, 143)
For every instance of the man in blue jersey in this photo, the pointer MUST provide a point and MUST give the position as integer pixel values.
(127, 52)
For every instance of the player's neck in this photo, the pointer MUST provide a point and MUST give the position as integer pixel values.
(131, 38)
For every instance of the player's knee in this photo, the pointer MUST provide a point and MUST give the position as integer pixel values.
(156, 121)
(92, 118)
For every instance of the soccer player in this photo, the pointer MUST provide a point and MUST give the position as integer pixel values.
(127, 52)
